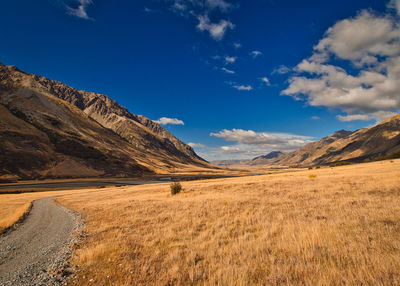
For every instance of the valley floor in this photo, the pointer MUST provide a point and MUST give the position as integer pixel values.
(328, 226)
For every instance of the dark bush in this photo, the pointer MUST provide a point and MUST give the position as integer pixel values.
(176, 188)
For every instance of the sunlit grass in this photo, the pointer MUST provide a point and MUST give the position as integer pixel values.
(340, 227)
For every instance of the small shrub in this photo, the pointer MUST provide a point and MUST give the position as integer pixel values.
(318, 167)
(312, 176)
(309, 168)
(176, 188)
(367, 160)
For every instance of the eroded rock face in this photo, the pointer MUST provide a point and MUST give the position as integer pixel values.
(137, 129)
(46, 127)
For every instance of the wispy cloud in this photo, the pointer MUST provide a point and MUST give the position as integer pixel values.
(237, 45)
(255, 54)
(169, 121)
(378, 116)
(315, 117)
(81, 10)
(243, 87)
(196, 145)
(282, 69)
(228, 70)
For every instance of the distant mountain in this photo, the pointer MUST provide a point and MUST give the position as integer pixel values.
(270, 158)
(228, 163)
(382, 139)
(48, 129)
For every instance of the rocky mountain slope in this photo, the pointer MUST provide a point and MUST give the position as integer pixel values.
(382, 139)
(48, 129)
(270, 158)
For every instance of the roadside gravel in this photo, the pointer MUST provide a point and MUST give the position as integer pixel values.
(38, 250)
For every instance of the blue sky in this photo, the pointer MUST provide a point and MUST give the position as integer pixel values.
(236, 79)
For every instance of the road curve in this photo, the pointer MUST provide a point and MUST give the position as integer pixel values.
(29, 253)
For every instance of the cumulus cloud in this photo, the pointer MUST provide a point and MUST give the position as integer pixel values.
(395, 4)
(255, 54)
(279, 141)
(81, 10)
(169, 121)
(371, 43)
(228, 70)
(249, 144)
(216, 30)
(265, 80)
(243, 87)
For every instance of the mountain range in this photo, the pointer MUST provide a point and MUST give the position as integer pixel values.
(366, 144)
(51, 130)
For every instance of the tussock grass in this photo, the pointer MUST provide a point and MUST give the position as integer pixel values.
(340, 228)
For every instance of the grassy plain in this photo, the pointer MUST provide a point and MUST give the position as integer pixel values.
(330, 226)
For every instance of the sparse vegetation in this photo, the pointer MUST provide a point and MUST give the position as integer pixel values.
(176, 188)
(341, 229)
(342, 163)
(312, 176)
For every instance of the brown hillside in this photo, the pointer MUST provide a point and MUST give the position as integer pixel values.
(382, 139)
(43, 135)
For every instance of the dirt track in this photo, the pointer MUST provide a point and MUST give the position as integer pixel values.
(30, 253)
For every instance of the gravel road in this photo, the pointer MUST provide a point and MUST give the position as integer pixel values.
(37, 251)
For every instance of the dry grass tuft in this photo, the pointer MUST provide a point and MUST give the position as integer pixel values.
(343, 228)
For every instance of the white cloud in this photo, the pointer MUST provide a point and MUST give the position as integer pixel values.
(372, 44)
(282, 69)
(255, 54)
(249, 144)
(196, 145)
(243, 87)
(216, 30)
(378, 116)
(362, 39)
(231, 149)
(265, 80)
(219, 4)
(278, 141)
(171, 121)
(353, 117)
(81, 10)
(228, 70)
(230, 60)
(315, 118)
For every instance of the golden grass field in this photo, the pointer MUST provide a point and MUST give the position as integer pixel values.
(331, 226)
